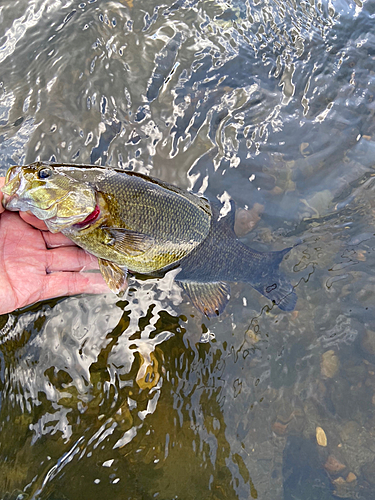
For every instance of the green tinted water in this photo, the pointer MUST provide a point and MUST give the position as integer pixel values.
(264, 103)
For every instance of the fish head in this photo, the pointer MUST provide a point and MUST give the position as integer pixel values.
(49, 193)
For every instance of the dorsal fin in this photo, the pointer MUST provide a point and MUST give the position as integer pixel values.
(224, 222)
(198, 200)
(79, 170)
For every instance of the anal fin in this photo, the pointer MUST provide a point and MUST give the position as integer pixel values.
(208, 298)
(114, 275)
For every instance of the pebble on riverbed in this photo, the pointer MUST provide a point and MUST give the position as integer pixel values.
(351, 477)
(368, 471)
(368, 342)
(329, 364)
(333, 465)
(246, 220)
(321, 437)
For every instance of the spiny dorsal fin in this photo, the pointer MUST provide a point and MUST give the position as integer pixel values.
(129, 242)
(208, 298)
(115, 276)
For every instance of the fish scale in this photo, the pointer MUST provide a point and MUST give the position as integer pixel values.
(132, 221)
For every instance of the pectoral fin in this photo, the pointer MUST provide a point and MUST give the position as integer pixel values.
(115, 276)
(127, 241)
(209, 298)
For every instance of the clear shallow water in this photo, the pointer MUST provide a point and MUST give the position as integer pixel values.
(270, 104)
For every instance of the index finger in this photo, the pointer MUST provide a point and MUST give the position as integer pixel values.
(57, 240)
(33, 221)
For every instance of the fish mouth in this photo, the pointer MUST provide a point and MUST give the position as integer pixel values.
(14, 203)
(10, 188)
(7, 201)
(14, 199)
(60, 208)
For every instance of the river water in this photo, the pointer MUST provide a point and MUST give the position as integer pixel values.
(270, 104)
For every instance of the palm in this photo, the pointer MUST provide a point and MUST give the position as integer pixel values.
(31, 271)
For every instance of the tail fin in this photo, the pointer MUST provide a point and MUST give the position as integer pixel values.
(268, 280)
(278, 289)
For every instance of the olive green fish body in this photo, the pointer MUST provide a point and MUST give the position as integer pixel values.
(162, 224)
(143, 224)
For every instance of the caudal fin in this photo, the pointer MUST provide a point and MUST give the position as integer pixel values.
(279, 290)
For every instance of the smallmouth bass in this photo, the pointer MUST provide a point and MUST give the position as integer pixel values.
(131, 221)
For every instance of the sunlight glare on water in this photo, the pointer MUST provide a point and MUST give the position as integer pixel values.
(267, 103)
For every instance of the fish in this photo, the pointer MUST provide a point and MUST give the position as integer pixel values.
(139, 224)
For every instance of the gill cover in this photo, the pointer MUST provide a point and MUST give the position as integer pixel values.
(49, 193)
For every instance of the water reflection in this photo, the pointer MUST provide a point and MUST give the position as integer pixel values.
(93, 383)
(266, 103)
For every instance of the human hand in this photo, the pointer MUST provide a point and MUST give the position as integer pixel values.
(38, 265)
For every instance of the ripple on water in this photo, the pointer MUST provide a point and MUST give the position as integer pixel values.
(271, 105)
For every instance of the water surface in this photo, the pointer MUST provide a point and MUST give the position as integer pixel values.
(267, 103)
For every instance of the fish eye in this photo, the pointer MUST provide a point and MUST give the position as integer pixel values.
(44, 173)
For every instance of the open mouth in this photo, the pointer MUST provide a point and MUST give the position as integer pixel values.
(9, 190)
(6, 200)
(11, 202)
